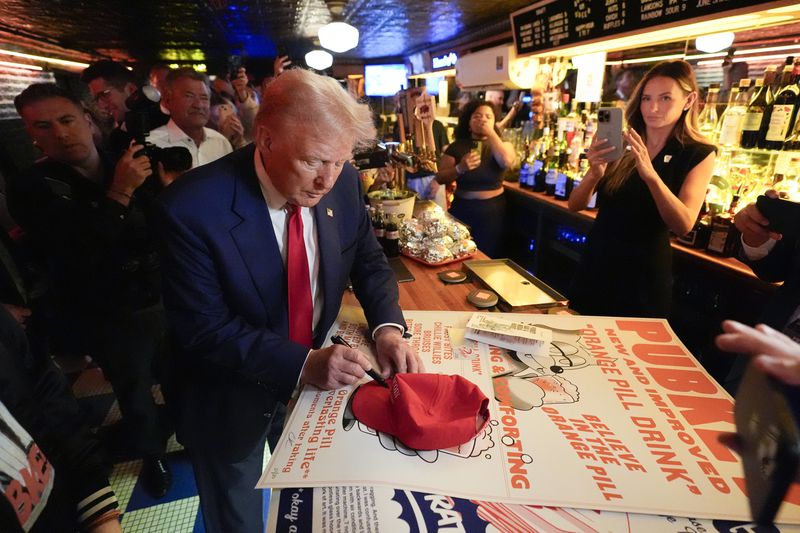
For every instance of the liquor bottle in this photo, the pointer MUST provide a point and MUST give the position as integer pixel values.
(391, 240)
(525, 169)
(540, 166)
(724, 236)
(784, 110)
(564, 179)
(729, 130)
(561, 123)
(378, 225)
(788, 185)
(573, 119)
(754, 115)
(552, 171)
(708, 119)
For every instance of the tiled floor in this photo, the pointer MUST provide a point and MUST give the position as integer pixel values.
(178, 511)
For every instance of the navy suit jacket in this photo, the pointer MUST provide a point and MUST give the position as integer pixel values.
(225, 295)
(781, 264)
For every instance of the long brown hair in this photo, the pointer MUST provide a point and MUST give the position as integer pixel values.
(686, 130)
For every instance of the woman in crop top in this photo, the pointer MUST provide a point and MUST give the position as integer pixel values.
(658, 186)
(476, 160)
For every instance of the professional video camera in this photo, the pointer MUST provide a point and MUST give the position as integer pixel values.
(381, 155)
(143, 112)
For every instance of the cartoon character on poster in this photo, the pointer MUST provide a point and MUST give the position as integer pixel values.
(540, 379)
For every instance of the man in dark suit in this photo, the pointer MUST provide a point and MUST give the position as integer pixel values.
(773, 257)
(259, 247)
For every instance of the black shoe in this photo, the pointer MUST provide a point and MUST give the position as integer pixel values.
(156, 476)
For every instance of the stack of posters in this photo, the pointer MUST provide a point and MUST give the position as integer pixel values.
(614, 421)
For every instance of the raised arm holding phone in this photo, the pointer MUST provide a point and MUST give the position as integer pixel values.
(657, 186)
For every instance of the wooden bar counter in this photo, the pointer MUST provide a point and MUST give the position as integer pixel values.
(427, 292)
(728, 264)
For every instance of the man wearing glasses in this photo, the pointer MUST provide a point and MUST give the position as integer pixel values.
(110, 84)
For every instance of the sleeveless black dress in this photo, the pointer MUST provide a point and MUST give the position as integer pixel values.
(626, 266)
(485, 218)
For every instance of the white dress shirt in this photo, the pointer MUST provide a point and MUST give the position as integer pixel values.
(280, 219)
(214, 144)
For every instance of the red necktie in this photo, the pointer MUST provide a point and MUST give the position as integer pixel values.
(301, 308)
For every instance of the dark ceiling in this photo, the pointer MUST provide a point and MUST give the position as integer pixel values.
(146, 30)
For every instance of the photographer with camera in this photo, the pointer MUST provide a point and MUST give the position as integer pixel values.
(117, 96)
(188, 100)
(86, 218)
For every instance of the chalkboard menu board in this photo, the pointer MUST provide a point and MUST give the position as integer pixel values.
(555, 23)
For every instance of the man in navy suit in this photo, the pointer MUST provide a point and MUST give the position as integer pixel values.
(230, 230)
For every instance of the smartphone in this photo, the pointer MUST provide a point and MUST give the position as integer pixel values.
(224, 111)
(766, 423)
(609, 126)
(234, 64)
(783, 215)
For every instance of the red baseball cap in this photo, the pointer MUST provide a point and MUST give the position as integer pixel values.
(424, 411)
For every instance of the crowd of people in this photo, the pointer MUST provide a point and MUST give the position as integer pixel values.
(212, 260)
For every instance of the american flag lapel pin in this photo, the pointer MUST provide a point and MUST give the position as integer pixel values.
(329, 212)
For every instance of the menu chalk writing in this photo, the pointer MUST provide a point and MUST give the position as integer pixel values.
(551, 23)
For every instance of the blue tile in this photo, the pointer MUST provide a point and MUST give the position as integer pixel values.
(183, 484)
(199, 527)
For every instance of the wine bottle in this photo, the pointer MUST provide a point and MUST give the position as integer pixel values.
(708, 116)
(784, 110)
(770, 73)
(729, 130)
(754, 115)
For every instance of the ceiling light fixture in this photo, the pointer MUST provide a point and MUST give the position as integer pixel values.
(19, 65)
(52, 60)
(319, 59)
(714, 42)
(337, 35)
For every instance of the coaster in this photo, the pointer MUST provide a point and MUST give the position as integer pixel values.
(482, 298)
(452, 276)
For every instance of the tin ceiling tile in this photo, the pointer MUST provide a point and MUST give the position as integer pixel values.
(260, 28)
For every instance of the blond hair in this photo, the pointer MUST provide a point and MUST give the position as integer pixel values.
(686, 130)
(300, 97)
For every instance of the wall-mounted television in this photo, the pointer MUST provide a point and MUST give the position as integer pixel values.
(384, 80)
(432, 84)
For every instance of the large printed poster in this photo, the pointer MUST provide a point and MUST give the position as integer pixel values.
(378, 509)
(615, 415)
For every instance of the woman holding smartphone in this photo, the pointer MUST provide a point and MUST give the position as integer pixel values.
(657, 186)
(476, 161)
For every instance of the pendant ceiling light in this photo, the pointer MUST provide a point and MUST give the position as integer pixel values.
(715, 42)
(319, 59)
(338, 36)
